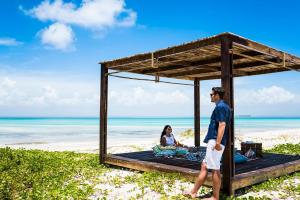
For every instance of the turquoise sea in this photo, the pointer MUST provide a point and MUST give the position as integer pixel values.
(46, 130)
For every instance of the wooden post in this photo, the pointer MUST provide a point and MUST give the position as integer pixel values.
(103, 114)
(197, 112)
(227, 84)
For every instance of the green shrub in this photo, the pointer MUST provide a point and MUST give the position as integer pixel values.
(36, 174)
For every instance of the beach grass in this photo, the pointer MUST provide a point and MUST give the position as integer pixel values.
(189, 133)
(292, 149)
(36, 174)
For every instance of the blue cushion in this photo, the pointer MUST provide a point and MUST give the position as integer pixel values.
(166, 152)
(156, 149)
(163, 152)
(181, 151)
(239, 158)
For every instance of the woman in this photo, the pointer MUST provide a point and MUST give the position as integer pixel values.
(167, 138)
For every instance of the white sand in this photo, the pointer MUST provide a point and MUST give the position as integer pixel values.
(267, 138)
(271, 138)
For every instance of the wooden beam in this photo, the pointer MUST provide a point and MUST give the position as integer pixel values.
(236, 67)
(239, 73)
(163, 52)
(197, 112)
(260, 175)
(276, 62)
(192, 72)
(227, 84)
(205, 78)
(262, 48)
(272, 70)
(184, 64)
(251, 64)
(175, 66)
(103, 114)
(239, 46)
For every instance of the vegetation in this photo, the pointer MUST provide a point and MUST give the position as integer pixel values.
(187, 134)
(35, 174)
(285, 149)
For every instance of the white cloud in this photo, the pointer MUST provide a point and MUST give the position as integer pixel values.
(49, 95)
(35, 92)
(7, 86)
(96, 15)
(7, 83)
(9, 42)
(58, 36)
(267, 95)
(53, 95)
(205, 99)
(92, 14)
(139, 96)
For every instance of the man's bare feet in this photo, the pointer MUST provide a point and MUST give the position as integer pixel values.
(189, 194)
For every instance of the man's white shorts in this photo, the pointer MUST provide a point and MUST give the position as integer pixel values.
(212, 156)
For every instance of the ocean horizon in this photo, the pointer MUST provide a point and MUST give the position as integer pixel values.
(15, 130)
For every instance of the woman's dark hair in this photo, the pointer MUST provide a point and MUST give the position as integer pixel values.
(164, 132)
(219, 90)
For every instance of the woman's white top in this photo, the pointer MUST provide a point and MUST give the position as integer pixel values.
(170, 141)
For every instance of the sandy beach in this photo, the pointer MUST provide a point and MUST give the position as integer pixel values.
(267, 138)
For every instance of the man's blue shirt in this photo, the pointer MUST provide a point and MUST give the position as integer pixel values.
(221, 113)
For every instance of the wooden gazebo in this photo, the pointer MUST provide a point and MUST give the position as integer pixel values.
(224, 57)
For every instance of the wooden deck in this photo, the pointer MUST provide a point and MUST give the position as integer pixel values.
(254, 171)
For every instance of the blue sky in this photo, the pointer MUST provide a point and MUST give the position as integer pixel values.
(49, 52)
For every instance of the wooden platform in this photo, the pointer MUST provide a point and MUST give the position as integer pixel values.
(224, 57)
(254, 171)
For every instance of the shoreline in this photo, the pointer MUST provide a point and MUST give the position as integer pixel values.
(268, 139)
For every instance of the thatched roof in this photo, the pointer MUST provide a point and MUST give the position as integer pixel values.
(202, 59)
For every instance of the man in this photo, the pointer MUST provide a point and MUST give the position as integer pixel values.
(216, 140)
